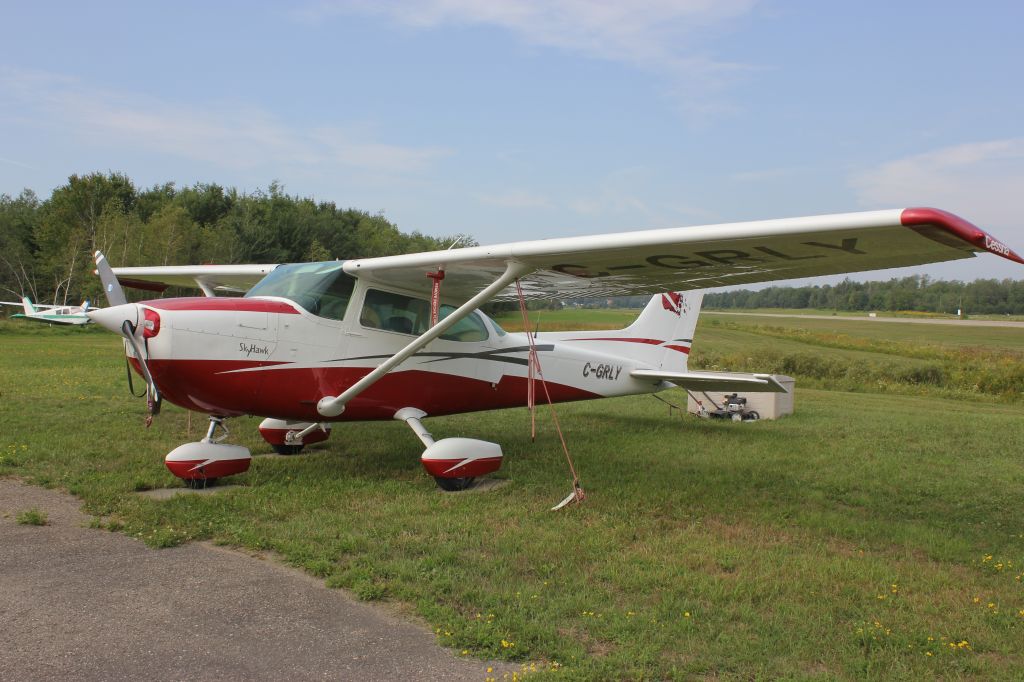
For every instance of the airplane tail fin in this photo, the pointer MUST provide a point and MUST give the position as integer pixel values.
(669, 320)
(26, 303)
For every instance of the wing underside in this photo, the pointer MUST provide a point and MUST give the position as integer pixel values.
(648, 261)
(679, 259)
(209, 278)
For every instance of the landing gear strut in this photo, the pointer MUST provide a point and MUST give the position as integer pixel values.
(453, 462)
(289, 438)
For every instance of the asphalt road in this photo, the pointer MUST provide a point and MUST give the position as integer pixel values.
(84, 604)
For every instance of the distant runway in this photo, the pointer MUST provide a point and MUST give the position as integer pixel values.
(865, 318)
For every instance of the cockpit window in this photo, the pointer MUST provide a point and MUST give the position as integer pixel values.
(406, 315)
(321, 288)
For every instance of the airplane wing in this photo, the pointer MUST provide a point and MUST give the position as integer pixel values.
(209, 278)
(714, 381)
(37, 305)
(680, 259)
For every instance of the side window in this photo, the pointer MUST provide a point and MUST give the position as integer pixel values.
(394, 313)
(397, 313)
(469, 328)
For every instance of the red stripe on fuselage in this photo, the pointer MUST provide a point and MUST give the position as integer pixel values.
(681, 349)
(226, 303)
(213, 387)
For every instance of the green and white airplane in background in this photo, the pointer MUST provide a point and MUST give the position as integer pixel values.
(52, 314)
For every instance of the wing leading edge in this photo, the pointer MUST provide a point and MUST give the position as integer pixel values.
(209, 278)
(680, 259)
(647, 261)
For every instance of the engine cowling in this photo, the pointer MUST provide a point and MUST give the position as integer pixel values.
(461, 458)
(198, 461)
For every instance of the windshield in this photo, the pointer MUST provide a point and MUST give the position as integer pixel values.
(321, 288)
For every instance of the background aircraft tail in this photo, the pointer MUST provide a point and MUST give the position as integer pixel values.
(26, 303)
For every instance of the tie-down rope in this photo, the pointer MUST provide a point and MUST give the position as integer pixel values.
(534, 372)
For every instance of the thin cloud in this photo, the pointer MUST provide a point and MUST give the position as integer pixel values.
(236, 137)
(981, 181)
(765, 174)
(516, 198)
(662, 36)
(19, 164)
(624, 196)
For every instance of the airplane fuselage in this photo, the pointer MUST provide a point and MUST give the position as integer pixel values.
(271, 357)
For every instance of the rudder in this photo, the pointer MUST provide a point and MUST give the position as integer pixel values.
(670, 319)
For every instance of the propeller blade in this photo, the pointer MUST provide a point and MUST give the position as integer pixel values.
(125, 320)
(128, 331)
(111, 287)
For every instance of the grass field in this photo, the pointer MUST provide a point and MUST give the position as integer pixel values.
(870, 535)
(969, 363)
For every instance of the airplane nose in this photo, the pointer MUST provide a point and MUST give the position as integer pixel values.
(113, 318)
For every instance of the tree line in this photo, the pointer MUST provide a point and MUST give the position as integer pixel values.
(915, 293)
(46, 245)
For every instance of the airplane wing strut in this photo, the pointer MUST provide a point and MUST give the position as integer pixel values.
(332, 406)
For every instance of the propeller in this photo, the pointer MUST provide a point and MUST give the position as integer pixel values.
(111, 287)
(126, 319)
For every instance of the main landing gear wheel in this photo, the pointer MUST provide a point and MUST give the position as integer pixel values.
(454, 485)
(283, 449)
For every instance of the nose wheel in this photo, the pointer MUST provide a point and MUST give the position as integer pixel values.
(200, 464)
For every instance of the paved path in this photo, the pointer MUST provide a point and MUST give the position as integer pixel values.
(84, 604)
(909, 320)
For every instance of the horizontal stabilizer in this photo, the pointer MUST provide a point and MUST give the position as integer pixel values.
(714, 381)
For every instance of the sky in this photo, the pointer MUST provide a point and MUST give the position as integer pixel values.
(527, 119)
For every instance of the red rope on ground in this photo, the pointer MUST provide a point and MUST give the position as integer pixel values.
(534, 371)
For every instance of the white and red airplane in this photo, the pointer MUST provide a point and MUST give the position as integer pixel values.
(402, 337)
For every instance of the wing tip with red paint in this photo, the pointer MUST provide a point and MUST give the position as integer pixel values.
(920, 218)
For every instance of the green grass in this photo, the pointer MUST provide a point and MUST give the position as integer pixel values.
(32, 517)
(850, 540)
(968, 363)
(944, 335)
(917, 314)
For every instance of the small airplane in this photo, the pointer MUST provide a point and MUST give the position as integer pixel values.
(402, 337)
(52, 314)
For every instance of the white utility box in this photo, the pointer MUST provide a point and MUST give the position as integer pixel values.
(767, 405)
